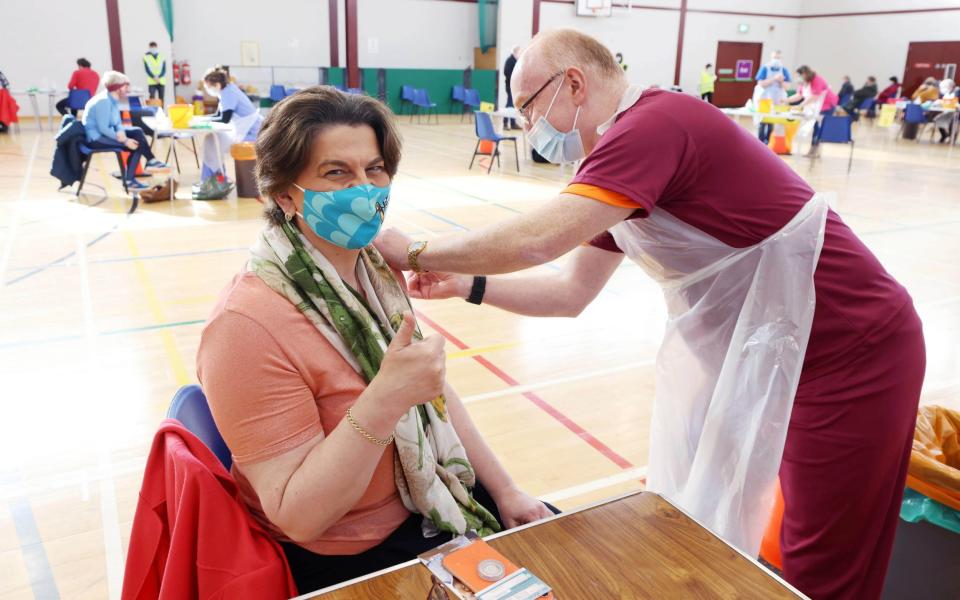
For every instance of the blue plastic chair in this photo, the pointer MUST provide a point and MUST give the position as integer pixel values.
(88, 153)
(277, 92)
(471, 100)
(457, 95)
(869, 105)
(487, 132)
(914, 113)
(77, 99)
(356, 91)
(421, 101)
(189, 406)
(836, 129)
(407, 95)
(137, 107)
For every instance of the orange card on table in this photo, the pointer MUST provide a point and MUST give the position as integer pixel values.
(464, 562)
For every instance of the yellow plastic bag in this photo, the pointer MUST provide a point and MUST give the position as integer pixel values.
(486, 107)
(935, 461)
(887, 114)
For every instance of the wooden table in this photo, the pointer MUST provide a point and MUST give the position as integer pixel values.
(635, 546)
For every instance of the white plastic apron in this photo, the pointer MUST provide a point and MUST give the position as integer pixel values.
(214, 149)
(737, 331)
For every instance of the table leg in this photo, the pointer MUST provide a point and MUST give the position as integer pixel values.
(36, 110)
(50, 104)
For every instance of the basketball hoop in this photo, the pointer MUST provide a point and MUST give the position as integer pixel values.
(595, 8)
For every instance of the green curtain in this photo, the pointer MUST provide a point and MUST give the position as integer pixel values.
(166, 11)
(488, 23)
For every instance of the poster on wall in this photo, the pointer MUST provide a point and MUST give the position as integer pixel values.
(250, 54)
(744, 69)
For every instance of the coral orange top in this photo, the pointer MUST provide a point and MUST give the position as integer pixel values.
(273, 383)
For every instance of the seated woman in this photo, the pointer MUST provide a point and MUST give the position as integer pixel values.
(347, 443)
(234, 108)
(105, 130)
(84, 78)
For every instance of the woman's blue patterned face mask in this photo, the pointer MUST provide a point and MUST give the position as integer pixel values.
(349, 218)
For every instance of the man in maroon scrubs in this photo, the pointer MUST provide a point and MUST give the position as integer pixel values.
(660, 155)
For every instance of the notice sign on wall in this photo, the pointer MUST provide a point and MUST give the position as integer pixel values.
(744, 69)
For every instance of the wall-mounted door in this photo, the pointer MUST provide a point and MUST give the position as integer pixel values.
(930, 59)
(737, 65)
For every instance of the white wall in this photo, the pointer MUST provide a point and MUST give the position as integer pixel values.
(647, 38)
(40, 47)
(870, 45)
(819, 7)
(290, 33)
(778, 7)
(513, 29)
(703, 31)
(419, 34)
(140, 24)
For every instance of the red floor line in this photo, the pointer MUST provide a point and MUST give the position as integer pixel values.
(545, 406)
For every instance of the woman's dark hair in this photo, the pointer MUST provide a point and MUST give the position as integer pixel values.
(804, 70)
(82, 62)
(286, 137)
(217, 75)
(894, 80)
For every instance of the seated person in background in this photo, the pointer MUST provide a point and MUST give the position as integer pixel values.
(868, 91)
(814, 91)
(84, 78)
(105, 130)
(235, 108)
(846, 89)
(889, 92)
(347, 443)
(927, 92)
(944, 121)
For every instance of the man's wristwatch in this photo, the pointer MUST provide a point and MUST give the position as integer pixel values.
(414, 251)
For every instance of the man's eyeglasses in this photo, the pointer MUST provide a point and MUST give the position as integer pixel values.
(523, 108)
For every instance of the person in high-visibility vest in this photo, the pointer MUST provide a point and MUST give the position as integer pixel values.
(707, 80)
(156, 67)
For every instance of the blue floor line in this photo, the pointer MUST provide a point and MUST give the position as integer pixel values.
(34, 553)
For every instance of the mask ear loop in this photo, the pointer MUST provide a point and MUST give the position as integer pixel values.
(575, 117)
(555, 94)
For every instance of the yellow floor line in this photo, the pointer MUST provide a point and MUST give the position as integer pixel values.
(174, 359)
(482, 350)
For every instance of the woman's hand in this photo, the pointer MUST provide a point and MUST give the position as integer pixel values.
(412, 372)
(518, 508)
(436, 286)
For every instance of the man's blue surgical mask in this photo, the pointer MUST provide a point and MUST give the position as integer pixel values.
(553, 145)
(349, 218)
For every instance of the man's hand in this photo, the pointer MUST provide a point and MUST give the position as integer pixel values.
(434, 286)
(392, 244)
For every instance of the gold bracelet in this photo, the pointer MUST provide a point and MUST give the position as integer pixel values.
(366, 433)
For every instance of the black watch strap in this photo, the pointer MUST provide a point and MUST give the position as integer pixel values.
(476, 292)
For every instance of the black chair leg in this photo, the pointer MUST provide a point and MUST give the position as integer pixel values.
(474, 157)
(83, 176)
(496, 153)
(516, 154)
(196, 157)
(123, 171)
(850, 162)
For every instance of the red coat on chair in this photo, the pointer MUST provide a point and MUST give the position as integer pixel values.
(193, 538)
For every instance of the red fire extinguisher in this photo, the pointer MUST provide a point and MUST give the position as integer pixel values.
(176, 72)
(185, 73)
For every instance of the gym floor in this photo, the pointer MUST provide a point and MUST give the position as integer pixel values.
(101, 313)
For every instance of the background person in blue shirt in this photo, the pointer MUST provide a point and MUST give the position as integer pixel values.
(772, 77)
(234, 108)
(105, 129)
